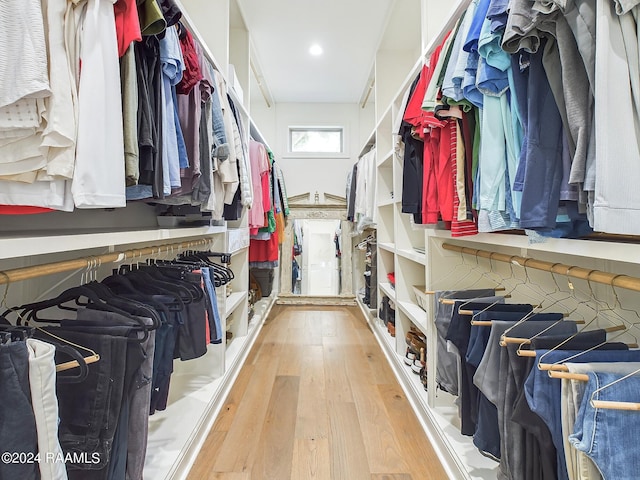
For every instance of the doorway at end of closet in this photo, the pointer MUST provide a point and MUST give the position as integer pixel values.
(316, 399)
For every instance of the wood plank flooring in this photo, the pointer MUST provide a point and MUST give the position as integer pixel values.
(316, 399)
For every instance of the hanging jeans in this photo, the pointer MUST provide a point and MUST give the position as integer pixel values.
(609, 436)
(17, 422)
(544, 393)
(579, 465)
(89, 410)
(458, 334)
(129, 444)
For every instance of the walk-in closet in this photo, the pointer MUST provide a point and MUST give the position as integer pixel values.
(333, 240)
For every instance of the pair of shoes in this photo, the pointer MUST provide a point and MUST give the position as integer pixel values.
(415, 341)
(415, 344)
(419, 363)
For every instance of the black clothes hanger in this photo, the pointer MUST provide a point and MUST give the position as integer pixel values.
(131, 306)
(101, 290)
(134, 285)
(162, 273)
(29, 312)
(221, 274)
(183, 292)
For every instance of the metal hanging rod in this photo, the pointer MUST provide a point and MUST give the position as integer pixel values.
(27, 273)
(607, 278)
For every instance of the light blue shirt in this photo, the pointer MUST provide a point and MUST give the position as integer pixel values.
(172, 68)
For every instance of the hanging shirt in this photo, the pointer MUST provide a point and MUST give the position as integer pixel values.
(55, 194)
(99, 178)
(59, 135)
(617, 199)
(227, 169)
(259, 172)
(127, 24)
(192, 73)
(149, 77)
(129, 82)
(172, 68)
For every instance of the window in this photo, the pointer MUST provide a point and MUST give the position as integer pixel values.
(316, 140)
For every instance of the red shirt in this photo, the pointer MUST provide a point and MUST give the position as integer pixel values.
(192, 73)
(127, 24)
(264, 250)
(22, 210)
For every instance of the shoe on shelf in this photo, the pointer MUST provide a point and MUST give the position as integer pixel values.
(416, 366)
(419, 363)
(391, 328)
(423, 377)
(415, 341)
(409, 356)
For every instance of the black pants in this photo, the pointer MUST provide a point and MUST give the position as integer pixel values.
(17, 421)
(136, 385)
(89, 410)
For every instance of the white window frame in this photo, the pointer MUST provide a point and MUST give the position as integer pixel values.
(337, 128)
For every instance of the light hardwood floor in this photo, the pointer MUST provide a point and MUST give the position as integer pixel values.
(316, 399)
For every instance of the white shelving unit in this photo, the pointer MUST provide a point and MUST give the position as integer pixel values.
(416, 256)
(234, 300)
(200, 386)
(47, 242)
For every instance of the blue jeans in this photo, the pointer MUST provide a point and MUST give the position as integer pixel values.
(217, 118)
(609, 437)
(543, 393)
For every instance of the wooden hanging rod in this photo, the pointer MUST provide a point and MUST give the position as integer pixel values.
(607, 278)
(452, 301)
(27, 273)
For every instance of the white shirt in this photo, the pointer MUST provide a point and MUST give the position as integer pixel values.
(99, 177)
(61, 112)
(23, 53)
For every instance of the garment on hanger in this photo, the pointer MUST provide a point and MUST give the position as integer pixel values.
(458, 334)
(99, 170)
(352, 181)
(447, 366)
(544, 393)
(573, 391)
(127, 24)
(19, 432)
(487, 377)
(138, 321)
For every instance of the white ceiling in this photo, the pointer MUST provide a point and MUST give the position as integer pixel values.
(282, 31)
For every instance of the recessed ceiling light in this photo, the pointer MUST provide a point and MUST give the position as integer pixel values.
(315, 50)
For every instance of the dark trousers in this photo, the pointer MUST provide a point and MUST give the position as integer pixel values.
(89, 410)
(17, 421)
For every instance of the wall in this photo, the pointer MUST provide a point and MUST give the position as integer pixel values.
(314, 174)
